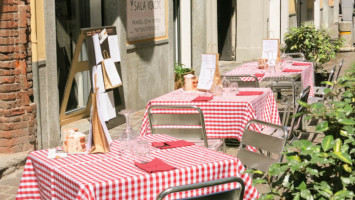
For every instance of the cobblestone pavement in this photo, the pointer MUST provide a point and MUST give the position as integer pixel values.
(9, 185)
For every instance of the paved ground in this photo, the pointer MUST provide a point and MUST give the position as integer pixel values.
(9, 184)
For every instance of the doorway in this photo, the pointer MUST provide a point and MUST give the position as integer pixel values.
(226, 23)
(71, 16)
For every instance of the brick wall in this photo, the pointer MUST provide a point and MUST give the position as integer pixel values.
(17, 110)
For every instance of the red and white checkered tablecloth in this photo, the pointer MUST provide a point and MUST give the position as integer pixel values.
(225, 115)
(307, 74)
(109, 176)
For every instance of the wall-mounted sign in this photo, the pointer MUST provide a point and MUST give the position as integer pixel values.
(146, 20)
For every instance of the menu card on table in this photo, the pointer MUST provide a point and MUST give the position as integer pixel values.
(209, 73)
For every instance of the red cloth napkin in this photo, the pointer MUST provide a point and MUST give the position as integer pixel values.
(172, 144)
(158, 144)
(249, 93)
(203, 98)
(156, 165)
(292, 70)
(300, 64)
(259, 75)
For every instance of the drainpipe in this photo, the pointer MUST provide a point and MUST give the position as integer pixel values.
(35, 72)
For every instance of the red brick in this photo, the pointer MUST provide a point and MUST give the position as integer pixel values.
(13, 126)
(13, 133)
(8, 8)
(8, 41)
(2, 112)
(13, 56)
(8, 33)
(24, 98)
(10, 119)
(9, 72)
(21, 64)
(9, 104)
(8, 17)
(8, 64)
(7, 79)
(14, 112)
(7, 96)
(30, 92)
(12, 2)
(22, 38)
(29, 76)
(8, 49)
(10, 87)
(8, 24)
(22, 22)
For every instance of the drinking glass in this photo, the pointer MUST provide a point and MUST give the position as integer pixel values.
(142, 151)
(225, 84)
(210, 81)
(233, 87)
(128, 137)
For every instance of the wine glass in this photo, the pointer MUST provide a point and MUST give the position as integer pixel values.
(128, 137)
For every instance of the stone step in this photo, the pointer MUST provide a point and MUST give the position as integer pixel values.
(11, 162)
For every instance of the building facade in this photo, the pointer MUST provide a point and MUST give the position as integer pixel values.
(38, 39)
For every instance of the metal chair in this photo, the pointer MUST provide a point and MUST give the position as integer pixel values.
(251, 82)
(185, 122)
(270, 143)
(234, 194)
(319, 90)
(340, 67)
(296, 122)
(297, 56)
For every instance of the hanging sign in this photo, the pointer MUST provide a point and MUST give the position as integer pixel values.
(146, 20)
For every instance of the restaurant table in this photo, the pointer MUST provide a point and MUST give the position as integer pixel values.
(110, 176)
(307, 73)
(225, 115)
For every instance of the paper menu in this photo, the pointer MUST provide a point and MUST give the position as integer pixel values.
(107, 102)
(97, 49)
(114, 50)
(97, 70)
(270, 50)
(112, 72)
(208, 68)
(103, 35)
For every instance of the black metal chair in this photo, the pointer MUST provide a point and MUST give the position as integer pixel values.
(234, 194)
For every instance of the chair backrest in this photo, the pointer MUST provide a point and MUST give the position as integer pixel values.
(185, 122)
(340, 67)
(270, 146)
(252, 80)
(297, 56)
(296, 121)
(226, 195)
(331, 74)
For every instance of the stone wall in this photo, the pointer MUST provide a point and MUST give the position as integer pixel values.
(17, 110)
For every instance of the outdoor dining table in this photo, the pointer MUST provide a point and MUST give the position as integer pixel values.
(307, 73)
(110, 176)
(225, 115)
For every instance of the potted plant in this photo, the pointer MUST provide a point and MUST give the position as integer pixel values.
(180, 72)
(316, 44)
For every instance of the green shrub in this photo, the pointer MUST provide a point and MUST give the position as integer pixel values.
(314, 43)
(321, 170)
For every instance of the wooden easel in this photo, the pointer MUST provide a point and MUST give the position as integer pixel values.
(80, 66)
